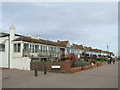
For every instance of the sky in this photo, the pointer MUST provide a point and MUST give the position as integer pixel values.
(92, 24)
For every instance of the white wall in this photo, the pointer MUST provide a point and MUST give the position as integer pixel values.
(21, 63)
(4, 62)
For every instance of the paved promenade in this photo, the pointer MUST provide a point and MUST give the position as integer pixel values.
(105, 76)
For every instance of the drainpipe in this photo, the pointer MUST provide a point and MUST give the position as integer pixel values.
(9, 53)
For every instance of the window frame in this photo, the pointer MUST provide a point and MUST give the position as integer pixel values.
(17, 47)
(2, 46)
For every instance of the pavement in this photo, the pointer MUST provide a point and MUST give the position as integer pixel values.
(0, 78)
(105, 76)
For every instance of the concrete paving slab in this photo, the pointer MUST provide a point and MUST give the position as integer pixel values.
(105, 76)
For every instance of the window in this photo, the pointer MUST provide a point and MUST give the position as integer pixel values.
(41, 47)
(26, 46)
(68, 50)
(17, 47)
(2, 47)
(30, 48)
(33, 49)
(72, 50)
(54, 48)
(46, 48)
(37, 48)
(58, 49)
(51, 48)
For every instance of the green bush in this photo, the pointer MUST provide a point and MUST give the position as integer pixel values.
(81, 59)
(102, 59)
(98, 61)
(94, 61)
(81, 63)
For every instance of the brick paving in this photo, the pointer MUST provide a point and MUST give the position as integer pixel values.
(105, 76)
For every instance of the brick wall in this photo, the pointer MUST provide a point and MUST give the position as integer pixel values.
(65, 66)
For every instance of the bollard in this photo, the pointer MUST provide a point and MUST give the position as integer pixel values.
(36, 74)
(45, 69)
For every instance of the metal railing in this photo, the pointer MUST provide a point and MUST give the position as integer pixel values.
(42, 55)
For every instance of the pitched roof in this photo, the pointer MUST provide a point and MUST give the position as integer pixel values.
(27, 39)
(95, 50)
(75, 46)
(3, 34)
(63, 43)
(87, 48)
(7, 34)
(81, 47)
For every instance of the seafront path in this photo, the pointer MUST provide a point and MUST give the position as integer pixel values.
(105, 76)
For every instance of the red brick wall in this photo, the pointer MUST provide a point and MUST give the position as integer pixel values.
(72, 70)
(99, 64)
(65, 66)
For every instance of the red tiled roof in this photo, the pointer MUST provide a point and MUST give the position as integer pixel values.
(88, 48)
(64, 43)
(95, 50)
(75, 46)
(59, 43)
(27, 39)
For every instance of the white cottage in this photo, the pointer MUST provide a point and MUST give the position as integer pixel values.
(11, 57)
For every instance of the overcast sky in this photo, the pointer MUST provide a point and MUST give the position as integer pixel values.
(89, 24)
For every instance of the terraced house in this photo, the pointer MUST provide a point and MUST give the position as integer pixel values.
(17, 51)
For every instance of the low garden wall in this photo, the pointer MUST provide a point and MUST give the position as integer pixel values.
(99, 64)
(76, 69)
(65, 66)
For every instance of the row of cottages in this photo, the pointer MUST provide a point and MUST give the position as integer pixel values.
(17, 51)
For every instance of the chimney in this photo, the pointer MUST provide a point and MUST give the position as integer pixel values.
(12, 32)
(58, 41)
(30, 35)
(38, 37)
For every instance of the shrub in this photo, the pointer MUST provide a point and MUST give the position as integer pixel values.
(81, 63)
(94, 61)
(81, 59)
(102, 59)
(98, 61)
(73, 57)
